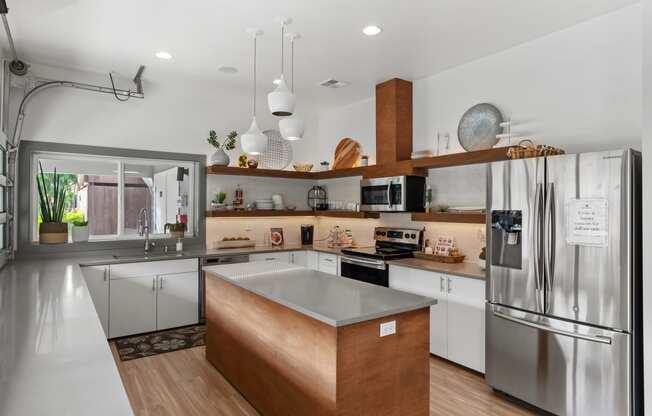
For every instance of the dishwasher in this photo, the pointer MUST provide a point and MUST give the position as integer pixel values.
(214, 261)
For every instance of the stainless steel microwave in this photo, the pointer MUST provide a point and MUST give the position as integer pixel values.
(394, 194)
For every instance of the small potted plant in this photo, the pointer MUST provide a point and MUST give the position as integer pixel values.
(482, 258)
(177, 229)
(52, 229)
(80, 231)
(220, 158)
(364, 160)
(323, 166)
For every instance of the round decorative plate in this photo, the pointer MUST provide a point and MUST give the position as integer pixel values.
(479, 126)
(278, 154)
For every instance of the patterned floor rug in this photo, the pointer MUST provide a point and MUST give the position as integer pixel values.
(140, 346)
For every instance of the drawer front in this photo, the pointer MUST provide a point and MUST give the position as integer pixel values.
(419, 282)
(283, 257)
(153, 268)
(328, 263)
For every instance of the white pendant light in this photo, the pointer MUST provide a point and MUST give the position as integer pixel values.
(292, 128)
(281, 101)
(254, 142)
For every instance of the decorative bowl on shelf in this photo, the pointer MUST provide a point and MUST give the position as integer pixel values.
(303, 167)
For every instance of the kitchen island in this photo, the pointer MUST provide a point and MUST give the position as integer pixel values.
(296, 341)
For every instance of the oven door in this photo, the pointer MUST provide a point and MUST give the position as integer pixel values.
(365, 270)
(383, 194)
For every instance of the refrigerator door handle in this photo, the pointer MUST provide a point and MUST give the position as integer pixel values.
(550, 238)
(538, 228)
(593, 338)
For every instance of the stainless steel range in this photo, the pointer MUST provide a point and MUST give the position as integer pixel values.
(370, 264)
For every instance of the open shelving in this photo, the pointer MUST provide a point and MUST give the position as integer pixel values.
(288, 213)
(458, 217)
(402, 167)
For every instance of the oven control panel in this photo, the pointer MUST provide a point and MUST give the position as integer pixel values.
(398, 235)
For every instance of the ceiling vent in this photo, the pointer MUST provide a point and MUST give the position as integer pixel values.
(333, 83)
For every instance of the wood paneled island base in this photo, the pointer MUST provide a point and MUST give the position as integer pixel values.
(286, 363)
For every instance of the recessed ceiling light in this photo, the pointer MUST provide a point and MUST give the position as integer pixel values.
(163, 55)
(276, 81)
(371, 30)
(228, 69)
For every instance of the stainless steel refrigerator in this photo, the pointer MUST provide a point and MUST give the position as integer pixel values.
(563, 313)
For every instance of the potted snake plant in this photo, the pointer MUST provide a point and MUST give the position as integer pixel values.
(52, 229)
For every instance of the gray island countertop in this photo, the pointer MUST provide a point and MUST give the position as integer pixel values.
(334, 300)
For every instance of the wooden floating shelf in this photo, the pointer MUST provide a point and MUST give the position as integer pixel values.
(347, 214)
(404, 167)
(462, 217)
(288, 213)
(459, 159)
(268, 173)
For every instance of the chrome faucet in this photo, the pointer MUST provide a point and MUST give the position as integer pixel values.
(143, 226)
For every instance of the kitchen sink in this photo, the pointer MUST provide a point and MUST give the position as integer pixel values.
(150, 256)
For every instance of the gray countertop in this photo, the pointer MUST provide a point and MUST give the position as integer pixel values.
(54, 357)
(327, 298)
(471, 270)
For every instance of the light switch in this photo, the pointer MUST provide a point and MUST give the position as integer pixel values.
(387, 328)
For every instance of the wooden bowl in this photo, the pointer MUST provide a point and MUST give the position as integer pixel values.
(303, 167)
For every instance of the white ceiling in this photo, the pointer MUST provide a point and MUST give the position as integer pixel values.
(419, 38)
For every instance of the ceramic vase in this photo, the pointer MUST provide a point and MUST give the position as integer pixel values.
(219, 158)
(79, 233)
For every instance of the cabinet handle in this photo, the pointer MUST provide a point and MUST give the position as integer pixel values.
(441, 284)
(160, 283)
(450, 288)
(270, 259)
(153, 284)
(105, 274)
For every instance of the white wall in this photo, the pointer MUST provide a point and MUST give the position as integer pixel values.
(174, 117)
(578, 89)
(647, 200)
(356, 120)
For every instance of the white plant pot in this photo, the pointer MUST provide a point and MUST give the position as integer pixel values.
(219, 158)
(79, 234)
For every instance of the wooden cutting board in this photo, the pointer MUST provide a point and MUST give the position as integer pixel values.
(347, 154)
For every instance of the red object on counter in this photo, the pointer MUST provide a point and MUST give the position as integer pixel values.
(182, 218)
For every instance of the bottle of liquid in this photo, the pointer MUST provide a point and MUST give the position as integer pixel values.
(238, 202)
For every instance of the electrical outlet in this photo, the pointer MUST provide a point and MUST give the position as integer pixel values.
(387, 328)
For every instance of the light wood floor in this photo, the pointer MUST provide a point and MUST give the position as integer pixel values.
(183, 383)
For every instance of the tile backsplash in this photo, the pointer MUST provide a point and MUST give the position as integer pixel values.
(467, 236)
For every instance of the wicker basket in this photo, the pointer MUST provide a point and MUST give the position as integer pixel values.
(526, 148)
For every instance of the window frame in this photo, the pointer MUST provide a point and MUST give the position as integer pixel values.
(28, 204)
(120, 164)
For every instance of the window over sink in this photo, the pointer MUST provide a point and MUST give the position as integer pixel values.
(117, 196)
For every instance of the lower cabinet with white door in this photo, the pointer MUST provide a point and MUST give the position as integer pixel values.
(151, 296)
(457, 328)
(97, 282)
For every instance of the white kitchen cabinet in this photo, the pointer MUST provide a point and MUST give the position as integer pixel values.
(466, 322)
(429, 284)
(328, 263)
(457, 327)
(132, 306)
(134, 291)
(97, 282)
(300, 258)
(177, 303)
(282, 256)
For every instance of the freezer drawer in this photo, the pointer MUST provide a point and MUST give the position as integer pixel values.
(558, 366)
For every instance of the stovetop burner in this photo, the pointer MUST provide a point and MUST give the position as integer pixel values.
(391, 243)
(379, 252)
